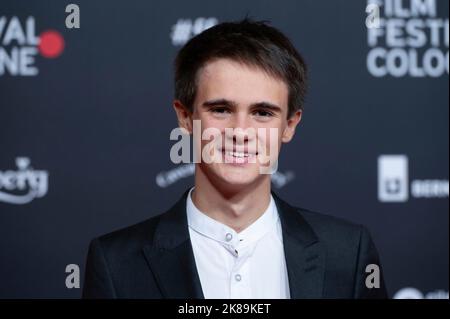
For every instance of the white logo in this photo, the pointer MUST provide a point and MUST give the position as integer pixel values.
(185, 29)
(413, 293)
(393, 178)
(167, 178)
(406, 38)
(34, 182)
(20, 45)
(393, 181)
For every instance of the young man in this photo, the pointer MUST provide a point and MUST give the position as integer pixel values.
(229, 236)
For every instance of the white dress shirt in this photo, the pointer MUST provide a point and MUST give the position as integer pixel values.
(248, 264)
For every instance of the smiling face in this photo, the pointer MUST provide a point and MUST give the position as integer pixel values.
(232, 102)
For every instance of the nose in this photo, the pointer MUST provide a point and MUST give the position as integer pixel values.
(241, 130)
(240, 136)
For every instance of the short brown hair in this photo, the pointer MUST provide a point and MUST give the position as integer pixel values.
(253, 43)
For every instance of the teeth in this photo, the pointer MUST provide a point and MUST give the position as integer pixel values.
(238, 154)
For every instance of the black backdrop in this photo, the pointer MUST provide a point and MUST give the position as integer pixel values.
(84, 143)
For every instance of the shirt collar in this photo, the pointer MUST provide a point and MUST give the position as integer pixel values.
(227, 236)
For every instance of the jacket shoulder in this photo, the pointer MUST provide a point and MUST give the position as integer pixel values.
(325, 222)
(130, 238)
(336, 232)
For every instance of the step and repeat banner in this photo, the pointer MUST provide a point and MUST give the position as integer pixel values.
(86, 91)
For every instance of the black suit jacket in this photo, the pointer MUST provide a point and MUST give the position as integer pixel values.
(326, 258)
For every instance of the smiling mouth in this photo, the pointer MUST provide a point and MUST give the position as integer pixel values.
(238, 154)
(233, 157)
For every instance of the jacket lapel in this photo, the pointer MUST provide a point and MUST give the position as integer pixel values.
(305, 256)
(171, 258)
(170, 255)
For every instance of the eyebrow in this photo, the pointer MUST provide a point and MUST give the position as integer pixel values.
(232, 104)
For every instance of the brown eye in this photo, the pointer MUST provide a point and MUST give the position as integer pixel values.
(264, 113)
(219, 110)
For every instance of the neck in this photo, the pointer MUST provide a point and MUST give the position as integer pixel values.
(236, 207)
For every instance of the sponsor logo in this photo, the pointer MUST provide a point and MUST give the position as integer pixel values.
(24, 184)
(407, 38)
(167, 178)
(414, 293)
(19, 46)
(184, 29)
(394, 185)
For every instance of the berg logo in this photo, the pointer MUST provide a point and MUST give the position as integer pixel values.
(19, 46)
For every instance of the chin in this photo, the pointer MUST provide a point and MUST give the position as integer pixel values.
(236, 176)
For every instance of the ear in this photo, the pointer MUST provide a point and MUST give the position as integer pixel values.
(184, 116)
(292, 122)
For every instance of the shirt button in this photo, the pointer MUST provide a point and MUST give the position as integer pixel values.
(228, 237)
(238, 277)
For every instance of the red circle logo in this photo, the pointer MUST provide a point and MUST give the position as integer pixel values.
(51, 44)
